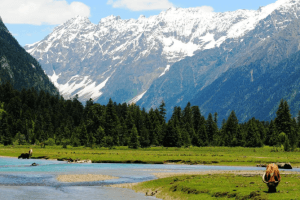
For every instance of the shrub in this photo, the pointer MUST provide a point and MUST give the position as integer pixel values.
(50, 142)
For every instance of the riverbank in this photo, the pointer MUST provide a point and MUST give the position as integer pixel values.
(226, 156)
(72, 178)
(212, 184)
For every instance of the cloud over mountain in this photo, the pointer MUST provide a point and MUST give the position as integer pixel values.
(137, 5)
(39, 12)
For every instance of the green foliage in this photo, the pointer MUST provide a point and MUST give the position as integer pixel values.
(134, 138)
(29, 116)
(286, 144)
(282, 138)
(218, 186)
(50, 142)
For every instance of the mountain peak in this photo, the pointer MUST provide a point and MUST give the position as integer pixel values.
(109, 19)
(79, 20)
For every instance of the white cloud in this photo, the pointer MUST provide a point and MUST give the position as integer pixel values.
(206, 9)
(39, 12)
(137, 5)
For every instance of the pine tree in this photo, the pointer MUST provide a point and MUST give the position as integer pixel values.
(172, 136)
(187, 116)
(211, 129)
(134, 138)
(99, 135)
(253, 136)
(162, 111)
(231, 128)
(272, 134)
(283, 119)
(111, 121)
(202, 136)
(144, 138)
(196, 117)
(185, 138)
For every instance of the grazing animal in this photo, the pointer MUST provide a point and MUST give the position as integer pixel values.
(24, 155)
(271, 177)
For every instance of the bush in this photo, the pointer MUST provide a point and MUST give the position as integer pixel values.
(50, 142)
(65, 142)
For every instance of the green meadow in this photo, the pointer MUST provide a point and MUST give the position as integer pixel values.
(219, 186)
(234, 156)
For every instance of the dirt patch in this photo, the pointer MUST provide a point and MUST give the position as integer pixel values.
(83, 177)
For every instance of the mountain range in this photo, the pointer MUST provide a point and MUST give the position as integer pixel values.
(218, 61)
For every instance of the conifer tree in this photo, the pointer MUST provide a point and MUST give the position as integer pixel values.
(111, 122)
(211, 129)
(172, 136)
(144, 138)
(134, 138)
(272, 134)
(187, 116)
(186, 140)
(253, 137)
(202, 136)
(283, 119)
(196, 117)
(162, 111)
(231, 128)
(99, 135)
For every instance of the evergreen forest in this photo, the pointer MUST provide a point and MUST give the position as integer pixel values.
(37, 117)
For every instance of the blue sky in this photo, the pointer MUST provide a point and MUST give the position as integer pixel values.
(32, 20)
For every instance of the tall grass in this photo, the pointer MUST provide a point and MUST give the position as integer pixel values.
(238, 156)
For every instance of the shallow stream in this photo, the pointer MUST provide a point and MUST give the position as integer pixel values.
(20, 180)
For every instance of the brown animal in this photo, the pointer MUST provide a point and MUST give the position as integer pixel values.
(271, 177)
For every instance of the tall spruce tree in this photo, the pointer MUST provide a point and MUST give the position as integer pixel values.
(134, 138)
(231, 128)
(172, 136)
(211, 129)
(253, 136)
(283, 121)
(162, 111)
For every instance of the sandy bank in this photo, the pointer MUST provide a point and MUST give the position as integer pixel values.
(84, 177)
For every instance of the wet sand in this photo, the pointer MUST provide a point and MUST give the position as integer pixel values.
(84, 178)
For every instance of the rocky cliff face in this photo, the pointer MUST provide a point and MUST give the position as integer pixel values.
(236, 75)
(19, 67)
(120, 59)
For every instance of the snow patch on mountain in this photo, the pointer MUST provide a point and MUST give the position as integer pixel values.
(166, 69)
(84, 86)
(137, 98)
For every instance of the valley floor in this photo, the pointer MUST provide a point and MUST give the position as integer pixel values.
(227, 156)
(219, 185)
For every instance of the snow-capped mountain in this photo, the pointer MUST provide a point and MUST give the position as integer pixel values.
(245, 74)
(120, 59)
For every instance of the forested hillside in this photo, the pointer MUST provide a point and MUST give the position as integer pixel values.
(33, 117)
(19, 67)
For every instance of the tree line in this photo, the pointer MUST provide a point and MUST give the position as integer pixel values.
(31, 117)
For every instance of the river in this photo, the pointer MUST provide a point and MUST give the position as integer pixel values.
(20, 180)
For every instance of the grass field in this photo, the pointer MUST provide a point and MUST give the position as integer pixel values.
(236, 156)
(219, 186)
